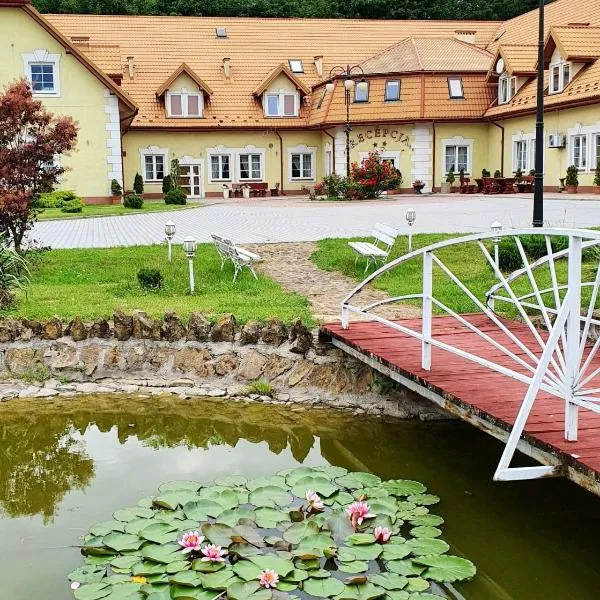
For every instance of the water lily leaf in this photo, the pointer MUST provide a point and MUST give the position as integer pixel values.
(268, 517)
(134, 527)
(122, 541)
(316, 540)
(298, 531)
(389, 581)
(424, 499)
(171, 500)
(130, 514)
(165, 554)
(295, 475)
(181, 592)
(147, 568)
(338, 499)
(231, 481)
(360, 539)
(404, 487)
(227, 498)
(397, 595)
(282, 566)
(395, 551)
(270, 495)
(160, 533)
(323, 588)
(354, 566)
(220, 580)
(366, 591)
(357, 480)
(297, 575)
(176, 566)
(124, 562)
(246, 591)
(126, 591)
(427, 520)
(206, 566)
(93, 591)
(332, 470)
(260, 482)
(200, 510)
(178, 486)
(285, 586)
(248, 534)
(417, 584)
(87, 574)
(340, 527)
(367, 552)
(317, 483)
(423, 546)
(232, 516)
(426, 596)
(425, 532)
(247, 570)
(106, 527)
(188, 578)
(243, 550)
(446, 568)
(117, 578)
(404, 567)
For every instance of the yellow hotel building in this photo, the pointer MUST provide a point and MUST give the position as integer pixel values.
(241, 100)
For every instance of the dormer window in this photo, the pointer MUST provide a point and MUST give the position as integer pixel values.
(560, 76)
(507, 87)
(281, 104)
(184, 104)
(455, 88)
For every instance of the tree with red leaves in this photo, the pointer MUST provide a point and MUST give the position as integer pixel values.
(31, 140)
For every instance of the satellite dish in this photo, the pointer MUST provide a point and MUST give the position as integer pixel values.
(500, 66)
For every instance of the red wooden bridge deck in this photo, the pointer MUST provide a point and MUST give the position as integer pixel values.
(485, 398)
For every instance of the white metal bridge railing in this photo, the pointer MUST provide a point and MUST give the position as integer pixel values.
(560, 288)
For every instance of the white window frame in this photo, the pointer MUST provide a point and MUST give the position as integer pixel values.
(281, 94)
(596, 149)
(154, 151)
(562, 83)
(43, 57)
(530, 140)
(184, 104)
(458, 141)
(386, 98)
(302, 151)
(583, 164)
(219, 155)
(507, 88)
(452, 91)
(296, 62)
(250, 151)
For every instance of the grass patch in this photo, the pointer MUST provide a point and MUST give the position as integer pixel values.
(260, 386)
(91, 283)
(465, 260)
(110, 210)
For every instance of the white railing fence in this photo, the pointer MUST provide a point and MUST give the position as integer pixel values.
(554, 297)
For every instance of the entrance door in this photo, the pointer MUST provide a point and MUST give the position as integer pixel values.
(191, 180)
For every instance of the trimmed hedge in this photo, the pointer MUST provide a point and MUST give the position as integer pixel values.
(176, 196)
(133, 201)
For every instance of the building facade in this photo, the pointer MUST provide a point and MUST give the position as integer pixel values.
(239, 100)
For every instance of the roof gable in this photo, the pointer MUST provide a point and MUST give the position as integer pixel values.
(281, 69)
(576, 43)
(183, 69)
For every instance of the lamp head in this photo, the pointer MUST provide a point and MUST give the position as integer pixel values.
(411, 216)
(496, 226)
(349, 83)
(169, 229)
(329, 87)
(189, 246)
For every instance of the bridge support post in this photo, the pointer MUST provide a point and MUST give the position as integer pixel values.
(572, 355)
(427, 310)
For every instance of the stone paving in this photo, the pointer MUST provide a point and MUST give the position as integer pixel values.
(299, 220)
(290, 265)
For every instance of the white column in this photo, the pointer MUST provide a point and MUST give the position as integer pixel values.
(422, 156)
(340, 151)
(113, 138)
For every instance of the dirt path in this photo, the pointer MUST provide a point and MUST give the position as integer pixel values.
(290, 265)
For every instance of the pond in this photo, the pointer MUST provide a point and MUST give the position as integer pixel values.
(67, 464)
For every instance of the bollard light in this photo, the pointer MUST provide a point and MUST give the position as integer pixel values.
(170, 234)
(189, 247)
(496, 228)
(411, 217)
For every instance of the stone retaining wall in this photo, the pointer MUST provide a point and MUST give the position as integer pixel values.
(132, 352)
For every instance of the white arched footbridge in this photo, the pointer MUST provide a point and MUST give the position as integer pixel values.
(498, 347)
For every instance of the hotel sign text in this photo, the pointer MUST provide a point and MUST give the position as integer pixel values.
(380, 133)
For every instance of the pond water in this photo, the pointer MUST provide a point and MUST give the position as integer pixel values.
(67, 464)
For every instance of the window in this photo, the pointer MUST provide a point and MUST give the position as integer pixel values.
(455, 88)
(520, 157)
(281, 105)
(507, 87)
(296, 65)
(302, 165)
(392, 90)
(560, 76)
(250, 166)
(154, 167)
(220, 167)
(457, 158)
(579, 151)
(184, 104)
(361, 91)
(42, 78)
(596, 150)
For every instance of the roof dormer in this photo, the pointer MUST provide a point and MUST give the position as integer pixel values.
(184, 94)
(281, 93)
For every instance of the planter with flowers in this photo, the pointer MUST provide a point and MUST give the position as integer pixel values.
(374, 176)
(418, 186)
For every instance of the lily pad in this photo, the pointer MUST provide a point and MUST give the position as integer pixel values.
(270, 495)
(446, 568)
(323, 588)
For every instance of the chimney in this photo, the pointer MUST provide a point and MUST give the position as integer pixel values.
(465, 35)
(130, 67)
(319, 65)
(227, 67)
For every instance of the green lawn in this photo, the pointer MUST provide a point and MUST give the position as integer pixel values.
(109, 210)
(92, 283)
(465, 260)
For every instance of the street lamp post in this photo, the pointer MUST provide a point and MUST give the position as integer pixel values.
(411, 217)
(348, 73)
(170, 234)
(496, 228)
(189, 246)
(538, 190)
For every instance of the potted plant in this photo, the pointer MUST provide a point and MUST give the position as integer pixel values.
(572, 179)
(246, 191)
(226, 191)
(275, 190)
(519, 182)
(418, 186)
(597, 178)
(446, 187)
(485, 173)
(497, 174)
(116, 191)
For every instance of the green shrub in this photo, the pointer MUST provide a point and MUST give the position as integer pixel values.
(509, 258)
(597, 174)
(167, 184)
(14, 275)
(450, 177)
(534, 246)
(572, 178)
(72, 206)
(333, 186)
(56, 199)
(497, 173)
(115, 188)
(138, 184)
(150, 279)
(133, 201)
(175, 196)
(260, 386)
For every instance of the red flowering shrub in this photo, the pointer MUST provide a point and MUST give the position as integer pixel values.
(373, 176)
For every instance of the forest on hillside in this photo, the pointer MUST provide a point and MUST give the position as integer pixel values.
(367, 9)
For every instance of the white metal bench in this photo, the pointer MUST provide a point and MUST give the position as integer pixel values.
(240, 257)
(378, 250)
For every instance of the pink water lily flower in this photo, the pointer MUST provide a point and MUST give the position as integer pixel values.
(314, 501)
(268, 578)
(75, 585)
(382, 534)
(190, 541)
(213, 553)
(358, 512)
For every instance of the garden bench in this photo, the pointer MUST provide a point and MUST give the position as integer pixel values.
(378, 250)
(240, 257)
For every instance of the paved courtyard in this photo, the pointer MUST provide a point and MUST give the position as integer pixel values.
(298, 220)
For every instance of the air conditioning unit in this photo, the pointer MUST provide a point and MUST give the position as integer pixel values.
(557, 140)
